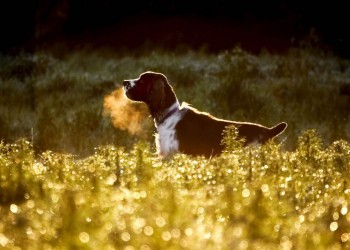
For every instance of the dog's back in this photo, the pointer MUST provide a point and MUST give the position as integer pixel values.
(199, 133)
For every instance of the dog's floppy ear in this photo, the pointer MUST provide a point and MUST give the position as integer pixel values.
(156, 95)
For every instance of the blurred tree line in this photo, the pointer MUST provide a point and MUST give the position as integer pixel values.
(222, 23)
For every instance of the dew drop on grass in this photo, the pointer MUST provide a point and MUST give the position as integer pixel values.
(265, 188)
(30, 204)
(14, 208)
(166, 236)
(333, 226)
(121, 225)
(237, 231)
(3, 240)
(55, 198)
(111, 179)
(311, 217)
(243, 244)
(276, 228)
(143, 194)
(148, 230)
(125, 236)
(29, 231)
(286, 243)
(43, 230)
(175, 233)
(200, 210)
(237, 206)
(345, 237)
(160, 221)
(207, 235)
(140, 222)
(39, 211)
(335, 216)
(246, 193)
(188, 231)
(145, 247)
(344, 210)
(84, 237)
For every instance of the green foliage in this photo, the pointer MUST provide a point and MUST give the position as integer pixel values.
(57, 101)
(118, 198)
(16, 176)
(76, 182)
(230, 139)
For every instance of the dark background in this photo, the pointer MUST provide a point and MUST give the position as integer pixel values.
(216, 25)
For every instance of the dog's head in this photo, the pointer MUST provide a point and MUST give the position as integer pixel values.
(151, 88)
(149, 85)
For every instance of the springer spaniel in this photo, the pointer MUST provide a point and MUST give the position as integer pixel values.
(185, 129)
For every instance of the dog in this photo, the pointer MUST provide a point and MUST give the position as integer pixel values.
(183, 128)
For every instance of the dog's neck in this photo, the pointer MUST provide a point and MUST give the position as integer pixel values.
(167, 105)
(167, 113)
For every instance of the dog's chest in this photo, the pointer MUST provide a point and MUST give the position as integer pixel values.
(167, 142)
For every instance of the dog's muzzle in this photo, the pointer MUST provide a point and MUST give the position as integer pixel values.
(127, 85)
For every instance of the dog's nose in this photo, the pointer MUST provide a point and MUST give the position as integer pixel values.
(126, 83)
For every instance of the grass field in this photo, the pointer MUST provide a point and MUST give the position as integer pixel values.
(78, 168)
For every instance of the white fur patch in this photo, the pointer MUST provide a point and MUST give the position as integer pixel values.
(166, 140)
(132, 83)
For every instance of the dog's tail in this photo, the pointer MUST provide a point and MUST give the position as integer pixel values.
(278, 129)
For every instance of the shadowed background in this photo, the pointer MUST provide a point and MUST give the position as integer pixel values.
(216, 25)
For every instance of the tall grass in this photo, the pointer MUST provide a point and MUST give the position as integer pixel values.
(70, 180)
(256, 198)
